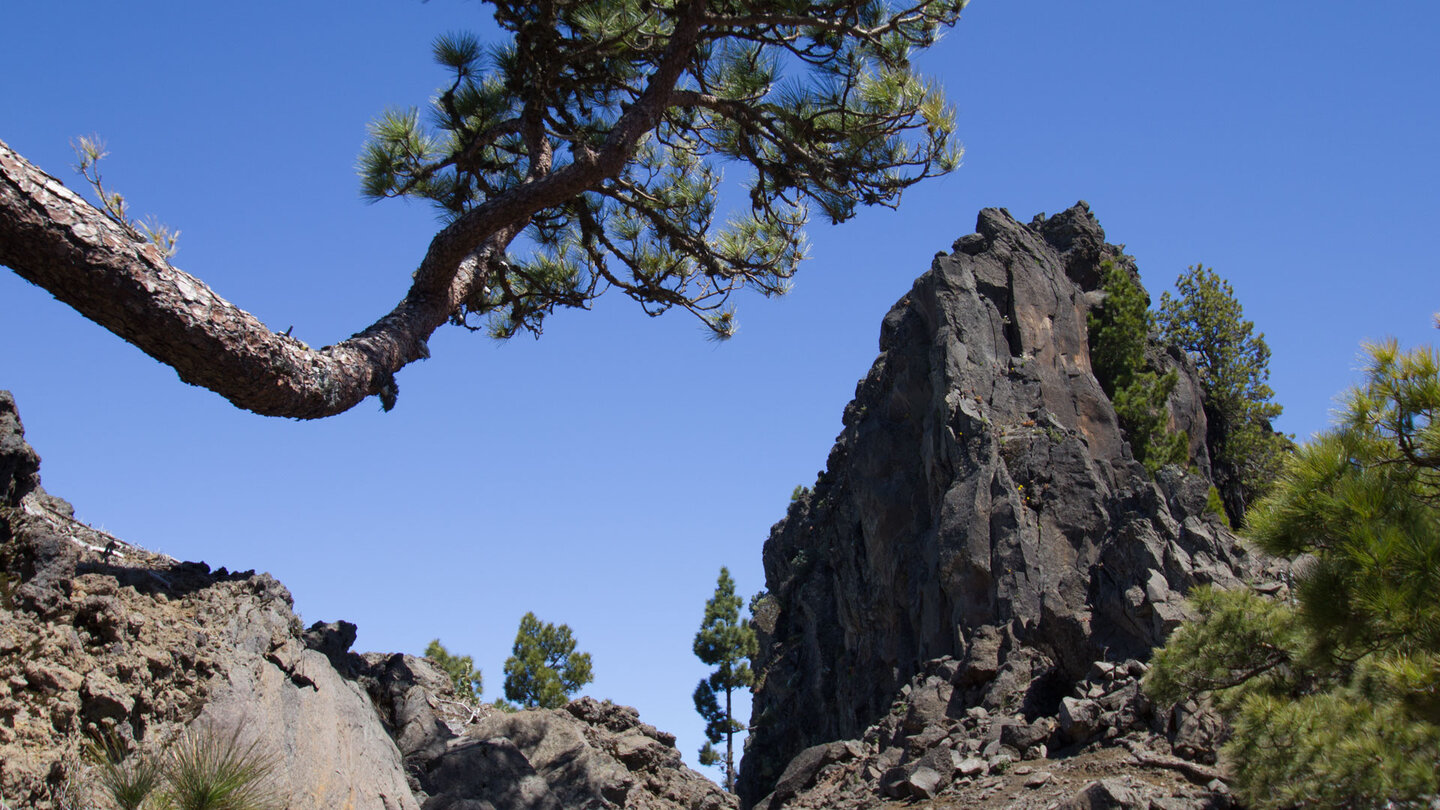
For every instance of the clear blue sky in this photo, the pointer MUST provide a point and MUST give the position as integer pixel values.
(602, 475)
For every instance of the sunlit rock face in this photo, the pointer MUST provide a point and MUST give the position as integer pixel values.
(100, 637)
(981, 503)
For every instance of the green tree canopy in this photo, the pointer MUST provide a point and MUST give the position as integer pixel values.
(1206, 320)
(582, 153)
(1120, 332)
(543, 669)
(469, 684)
(726, 642)
(1335, 696)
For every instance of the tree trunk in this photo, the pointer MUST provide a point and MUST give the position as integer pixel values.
(52, 237)
(729, 745)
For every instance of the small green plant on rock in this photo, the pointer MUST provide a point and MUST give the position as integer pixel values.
(469, 684)
(205, 769)
(1216, 505)
(128, 781)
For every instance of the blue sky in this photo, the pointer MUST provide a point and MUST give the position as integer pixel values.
(602, 475)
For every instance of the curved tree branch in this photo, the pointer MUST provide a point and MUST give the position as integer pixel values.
(52, 237)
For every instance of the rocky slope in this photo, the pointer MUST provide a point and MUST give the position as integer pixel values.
(981, 526)
(97, 634)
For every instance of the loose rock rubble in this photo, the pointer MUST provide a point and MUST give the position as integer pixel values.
(1107, 747)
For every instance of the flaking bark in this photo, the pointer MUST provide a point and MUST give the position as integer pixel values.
(52, 237)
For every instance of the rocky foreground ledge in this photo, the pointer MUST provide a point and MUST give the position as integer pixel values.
(96, 633)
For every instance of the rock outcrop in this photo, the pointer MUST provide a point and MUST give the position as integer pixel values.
(981, 509)
(97, 635)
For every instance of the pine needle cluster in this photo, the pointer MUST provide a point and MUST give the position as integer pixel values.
(89, 151)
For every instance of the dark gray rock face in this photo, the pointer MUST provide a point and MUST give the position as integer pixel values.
(19, 466)
(981, 504)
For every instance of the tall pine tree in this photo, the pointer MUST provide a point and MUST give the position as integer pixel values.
(726, 642)
(1206, 321)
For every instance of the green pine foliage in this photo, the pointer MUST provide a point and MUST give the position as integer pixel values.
(469, 683)
(851, 125)
(1334, 696)
(1206, 321)
(1119, 334)
(725, 641)
(544, 669)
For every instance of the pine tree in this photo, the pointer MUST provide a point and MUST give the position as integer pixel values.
(469, 684)
(1334, 697)
(1119, 334)
(580, 152)
(726, 642)
(1206, 321)
(543, 669)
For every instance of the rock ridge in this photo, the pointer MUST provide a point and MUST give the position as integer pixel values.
(97, 634)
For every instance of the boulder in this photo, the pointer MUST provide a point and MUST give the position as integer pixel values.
(1079, 718)
(800, 773)
(1104, 794)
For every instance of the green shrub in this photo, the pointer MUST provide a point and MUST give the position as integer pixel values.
(1119, 333)
(1216, 505)
(469, 684)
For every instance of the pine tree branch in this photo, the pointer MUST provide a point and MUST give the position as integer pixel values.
(560, 117)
